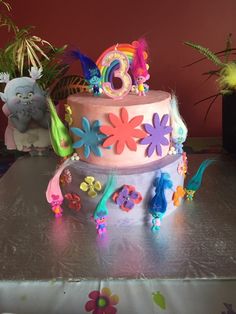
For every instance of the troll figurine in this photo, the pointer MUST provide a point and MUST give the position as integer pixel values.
(101, 211)
(90, 71)
(139, 68)
(158, 204)
(27, 112)
(195, 182)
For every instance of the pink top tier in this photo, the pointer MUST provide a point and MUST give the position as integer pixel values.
(98, 108)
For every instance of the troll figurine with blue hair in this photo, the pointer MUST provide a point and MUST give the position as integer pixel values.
(158, 204)
(195, 182)
(90, 71)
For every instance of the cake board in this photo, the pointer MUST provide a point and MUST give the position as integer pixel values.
(51, 265)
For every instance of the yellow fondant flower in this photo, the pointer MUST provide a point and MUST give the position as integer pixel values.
(90, 185)
(68, 114)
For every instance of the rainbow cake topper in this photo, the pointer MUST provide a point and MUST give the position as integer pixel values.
(107, 72)
(121, 58)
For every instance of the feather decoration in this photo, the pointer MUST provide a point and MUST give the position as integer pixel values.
(139, 66)
(89, 67)
(4, 77)
(69, 85)
(35, 73)
(60, 138)
(195, 182)
(158, 203)
(101, 208)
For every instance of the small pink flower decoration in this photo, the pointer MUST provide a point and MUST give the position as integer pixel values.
(181, 169)
(102, 302)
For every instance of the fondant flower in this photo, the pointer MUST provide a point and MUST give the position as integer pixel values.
(157, 133)
(74, 201)
(122, 132)
(90, 137)
(177, 195)
(68, 114)
(102, 302)
(127, 197)
(185, 160)
(66, 177)
(90, 185)
(182, 168)
(74, 157)
(178, 147)
(172, 151)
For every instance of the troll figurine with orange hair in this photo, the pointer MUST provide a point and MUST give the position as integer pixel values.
(139, 68)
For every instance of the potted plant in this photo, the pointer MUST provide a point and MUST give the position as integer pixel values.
(225, 74)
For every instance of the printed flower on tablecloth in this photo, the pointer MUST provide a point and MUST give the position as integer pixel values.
(68, 114)
(102, 302)
(127, 197)
(73, 200)
(177, 195)
(90, 185)
(229, 308)
(159, 299)
(90, 137)
(122, 132)
(157, 132)
(66, 177)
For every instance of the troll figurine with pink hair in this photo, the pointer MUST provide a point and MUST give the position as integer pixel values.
(139, 68)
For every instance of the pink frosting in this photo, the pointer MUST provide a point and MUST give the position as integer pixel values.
(98, 108)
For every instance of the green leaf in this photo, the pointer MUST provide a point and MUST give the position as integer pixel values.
(69, 85)
(206, 52)
(159, 300)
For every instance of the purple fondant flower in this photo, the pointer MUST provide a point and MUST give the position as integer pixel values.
(157, 133)
(127, 197)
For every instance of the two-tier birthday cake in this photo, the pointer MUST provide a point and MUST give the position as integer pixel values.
(129, 165)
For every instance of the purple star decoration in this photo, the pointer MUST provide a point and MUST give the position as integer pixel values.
(157, 133)
(127, 198)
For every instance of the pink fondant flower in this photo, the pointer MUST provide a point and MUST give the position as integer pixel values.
(102, 302)
(74, 201)
(66, 177)
(122, 132)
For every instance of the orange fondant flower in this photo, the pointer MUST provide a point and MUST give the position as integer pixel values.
(122, 132)
(179, 193)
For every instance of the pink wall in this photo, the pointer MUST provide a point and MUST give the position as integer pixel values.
(93, 26)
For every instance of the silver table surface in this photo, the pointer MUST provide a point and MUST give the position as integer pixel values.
(197, 241)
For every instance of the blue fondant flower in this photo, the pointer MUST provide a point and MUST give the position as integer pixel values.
(91, 138)
(157, 132)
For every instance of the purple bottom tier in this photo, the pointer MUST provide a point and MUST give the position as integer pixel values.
(141, 178)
